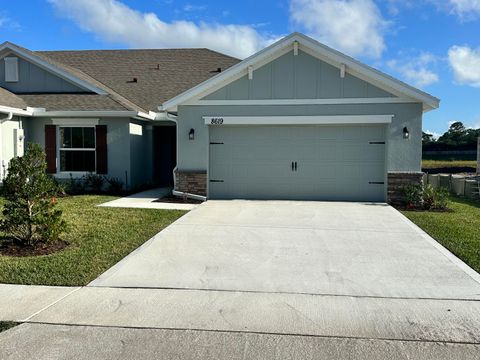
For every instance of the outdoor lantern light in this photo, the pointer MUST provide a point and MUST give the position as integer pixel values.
(191, 134)
(406, 133)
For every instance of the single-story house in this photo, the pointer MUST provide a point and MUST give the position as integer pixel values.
(297, 120)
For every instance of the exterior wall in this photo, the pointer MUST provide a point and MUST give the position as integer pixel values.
(141, 152)
(34, 79)
(297, 77)
(126, 162)
(402, 155)
(396, 180)
(8, 143)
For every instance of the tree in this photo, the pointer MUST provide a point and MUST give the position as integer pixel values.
(30, 215)
(427, 138)
(455, 134)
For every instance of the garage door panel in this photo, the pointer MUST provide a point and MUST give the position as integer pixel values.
(333, 162)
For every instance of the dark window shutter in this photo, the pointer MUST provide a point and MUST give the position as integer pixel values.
(51, 148)
(101, 148)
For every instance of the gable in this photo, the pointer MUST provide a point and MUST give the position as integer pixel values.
(34, 79)
(299, 76)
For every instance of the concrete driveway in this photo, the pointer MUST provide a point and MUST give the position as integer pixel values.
(324, 248)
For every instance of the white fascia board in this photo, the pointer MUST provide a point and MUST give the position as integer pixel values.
(297, 120)
(314, 48)
(85, 114)
(52, 68)
(340, 101)
(15, 111)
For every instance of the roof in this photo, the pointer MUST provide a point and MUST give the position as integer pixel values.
(9, 99)
(107, 76)
(315, 48)
(161, 73)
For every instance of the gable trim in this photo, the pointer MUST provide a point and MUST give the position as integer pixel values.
(65, 75)
(339, 101)
(312, 47)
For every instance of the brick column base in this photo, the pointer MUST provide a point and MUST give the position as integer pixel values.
(192, 182)
(396, 180)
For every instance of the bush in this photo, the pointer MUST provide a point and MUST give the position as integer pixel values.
(435, 197)
(75, 186)
(115, 185)
(30, 214)
(413, 195)
(94, 182)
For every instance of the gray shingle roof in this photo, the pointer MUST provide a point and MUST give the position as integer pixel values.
(72, 102)
(161, 73)
(8, 98)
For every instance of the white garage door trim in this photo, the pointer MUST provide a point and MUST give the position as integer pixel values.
(298, 120)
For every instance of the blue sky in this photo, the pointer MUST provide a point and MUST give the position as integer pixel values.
(432, 44)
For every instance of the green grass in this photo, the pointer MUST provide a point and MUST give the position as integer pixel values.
(434, 164)
(5, 325)
(458, 231)
(99, 237)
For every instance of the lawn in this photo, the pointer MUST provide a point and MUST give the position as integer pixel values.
(99, 237)
(458, 231)
(5, 325)
(434, 164)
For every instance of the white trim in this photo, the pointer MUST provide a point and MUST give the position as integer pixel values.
(15, 111)
(73, 122)
(51, 68)
(277, 49)
(297, 120)
(76, 174)
(341, 101)
(86, 113)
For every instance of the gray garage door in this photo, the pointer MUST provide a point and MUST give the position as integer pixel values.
(297, 162)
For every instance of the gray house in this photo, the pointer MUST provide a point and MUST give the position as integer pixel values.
(297, 120)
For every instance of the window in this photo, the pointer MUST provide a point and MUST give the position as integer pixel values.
(77, 149)
(11, 69)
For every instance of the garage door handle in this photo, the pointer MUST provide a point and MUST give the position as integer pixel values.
(295, 166)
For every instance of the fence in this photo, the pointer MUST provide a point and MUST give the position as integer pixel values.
(467, 186)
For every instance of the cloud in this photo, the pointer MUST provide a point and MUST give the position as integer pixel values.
(8, 23)
(190, 7)
(465, 63)
(353, 26)
(113, 21)
(416, 70)
(435, 135)
(465, 9)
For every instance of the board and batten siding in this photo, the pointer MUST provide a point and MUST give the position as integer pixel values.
(402, 154)
(297, 77)
(33, 79)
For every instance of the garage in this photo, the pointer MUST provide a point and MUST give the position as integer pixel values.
(343, 162)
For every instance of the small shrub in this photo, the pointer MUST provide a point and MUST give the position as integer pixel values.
(413, 195)
(94, 182)
(115, 185)
(30, 215)
(75, 186)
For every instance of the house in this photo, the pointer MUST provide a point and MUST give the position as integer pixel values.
(297, 120)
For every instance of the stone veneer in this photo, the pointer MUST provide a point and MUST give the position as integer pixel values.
(396, 180)
(192, 182)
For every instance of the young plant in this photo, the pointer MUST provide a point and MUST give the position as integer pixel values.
(30, 214)
(413, 195)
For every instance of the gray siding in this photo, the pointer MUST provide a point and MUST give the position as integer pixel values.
(126, 152)
(33, 79)
(402, 155)
(297, 77)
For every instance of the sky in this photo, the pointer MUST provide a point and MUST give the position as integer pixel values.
(431, 44)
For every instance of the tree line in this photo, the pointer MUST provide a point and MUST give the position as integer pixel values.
(457, 137)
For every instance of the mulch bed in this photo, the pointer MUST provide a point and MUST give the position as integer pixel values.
(177, 200)
(11, 249)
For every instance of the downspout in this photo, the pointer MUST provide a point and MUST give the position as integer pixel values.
(175, 192)
(7, 118)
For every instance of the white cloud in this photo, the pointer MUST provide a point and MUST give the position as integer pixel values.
(416, 70)
(353, 26)
(465, 63)
(466, 9)
(113, 21)
(435, 135)
(8, 23)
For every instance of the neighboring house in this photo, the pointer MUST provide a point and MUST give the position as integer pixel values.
(297, 120)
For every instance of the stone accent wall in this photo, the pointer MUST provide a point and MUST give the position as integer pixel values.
(398, 179)
(192, 182)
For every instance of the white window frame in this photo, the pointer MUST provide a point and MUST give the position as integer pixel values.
(75, 174)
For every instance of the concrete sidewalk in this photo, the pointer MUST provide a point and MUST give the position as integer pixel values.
(146, 200)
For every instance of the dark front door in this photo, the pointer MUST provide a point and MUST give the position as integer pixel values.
(164, 154)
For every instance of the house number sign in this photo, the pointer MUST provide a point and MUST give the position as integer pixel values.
(216, 121)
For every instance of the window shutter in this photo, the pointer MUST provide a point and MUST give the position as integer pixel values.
(51, 148)
(101, 148)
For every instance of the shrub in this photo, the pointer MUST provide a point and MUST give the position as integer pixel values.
(435, 197)
(115, 185)
(30, 213)
(94, 182)
(413, 195)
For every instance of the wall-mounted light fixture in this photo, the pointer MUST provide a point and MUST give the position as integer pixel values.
(191, 134)
(406, 133)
